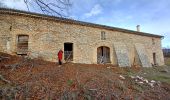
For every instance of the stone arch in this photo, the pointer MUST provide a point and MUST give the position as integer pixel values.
(103, 54)
(113, 59)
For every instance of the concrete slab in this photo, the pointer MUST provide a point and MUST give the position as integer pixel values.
(141, 51)
(122, 54)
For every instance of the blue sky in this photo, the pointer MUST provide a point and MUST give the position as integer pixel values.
(152, 15)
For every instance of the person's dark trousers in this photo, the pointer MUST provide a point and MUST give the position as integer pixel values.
(60, 63)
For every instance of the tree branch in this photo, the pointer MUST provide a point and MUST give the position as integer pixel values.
(26, 2)
(52, 7)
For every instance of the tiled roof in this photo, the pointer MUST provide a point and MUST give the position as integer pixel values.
(37, 15)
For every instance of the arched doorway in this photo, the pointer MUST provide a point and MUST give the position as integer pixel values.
(103, 54)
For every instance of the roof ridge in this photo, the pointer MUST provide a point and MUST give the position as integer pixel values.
(34, 14)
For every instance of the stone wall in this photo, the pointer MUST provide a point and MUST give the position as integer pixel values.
(46, 37)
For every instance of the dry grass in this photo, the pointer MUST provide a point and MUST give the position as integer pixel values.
(161, 73)
(46, 80)
(167, 61)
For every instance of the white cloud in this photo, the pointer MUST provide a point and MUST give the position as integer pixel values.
(97, 9)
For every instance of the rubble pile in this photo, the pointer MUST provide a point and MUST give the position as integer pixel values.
(142, 80)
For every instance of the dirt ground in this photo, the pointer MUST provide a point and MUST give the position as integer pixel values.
(35, 79)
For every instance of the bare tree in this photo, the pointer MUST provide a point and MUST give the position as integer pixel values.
(50, 7)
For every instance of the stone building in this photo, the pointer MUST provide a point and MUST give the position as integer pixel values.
(37, 35)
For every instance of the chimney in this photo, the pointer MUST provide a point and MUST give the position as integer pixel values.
(138, 28)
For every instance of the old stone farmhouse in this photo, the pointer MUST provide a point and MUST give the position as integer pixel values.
(37, 35)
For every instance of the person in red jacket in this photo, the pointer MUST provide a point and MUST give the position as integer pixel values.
(60, 55)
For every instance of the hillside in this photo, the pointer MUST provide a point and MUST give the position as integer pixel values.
(25, 78)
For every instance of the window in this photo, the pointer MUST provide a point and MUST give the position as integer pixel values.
(22, 44)
(103, 35)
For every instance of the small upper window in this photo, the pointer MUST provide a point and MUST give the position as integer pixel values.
(103, 35)
(153, 41)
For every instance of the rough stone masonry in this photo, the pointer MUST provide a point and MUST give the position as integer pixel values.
(41, 36)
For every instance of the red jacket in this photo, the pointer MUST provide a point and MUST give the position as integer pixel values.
(60, 55)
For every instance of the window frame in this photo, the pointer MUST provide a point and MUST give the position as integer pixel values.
(103, 35)
(19, 50)
(153, 41)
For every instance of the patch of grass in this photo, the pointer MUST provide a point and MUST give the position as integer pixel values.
(138, 88)
(161, 78)
(154, 73)
(128, 72)
(167, 61)
(70, 82)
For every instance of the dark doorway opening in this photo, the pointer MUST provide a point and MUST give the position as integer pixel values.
(154, 58)
(68, 52)
(103, 54)
(22, 44)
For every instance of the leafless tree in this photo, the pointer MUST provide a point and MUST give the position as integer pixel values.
(50, 7)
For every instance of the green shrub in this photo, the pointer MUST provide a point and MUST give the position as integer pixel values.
(70, 82)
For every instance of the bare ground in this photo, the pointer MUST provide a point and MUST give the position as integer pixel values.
(35, 79)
